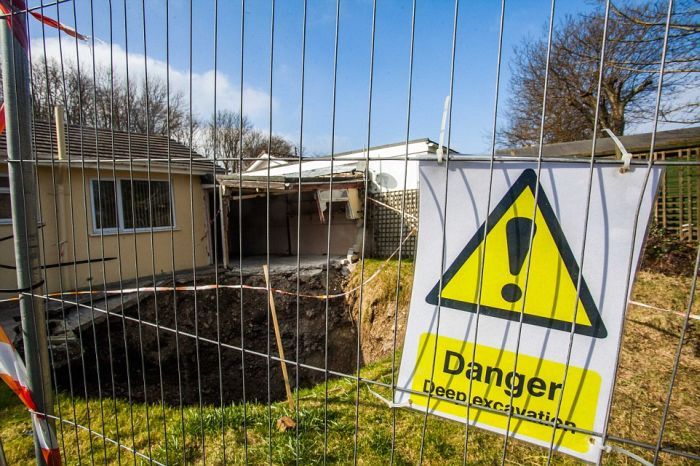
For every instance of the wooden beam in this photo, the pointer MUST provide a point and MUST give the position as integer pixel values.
(278, 337)
(223, 215)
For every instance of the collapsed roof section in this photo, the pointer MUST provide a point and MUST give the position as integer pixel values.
(309, 175)
(383, 168)
(301, 189)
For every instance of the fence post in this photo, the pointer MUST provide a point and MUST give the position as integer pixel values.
(3, 460)
(21, 169)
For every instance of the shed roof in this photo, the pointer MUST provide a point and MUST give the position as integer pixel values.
(343, 162)
(123, 149)
(314, 174)
(345, 168)
(429, 143)
(635, 144)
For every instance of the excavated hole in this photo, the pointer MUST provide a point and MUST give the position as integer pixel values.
(130, 361)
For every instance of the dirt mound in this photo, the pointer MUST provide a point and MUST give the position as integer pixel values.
(381, 316)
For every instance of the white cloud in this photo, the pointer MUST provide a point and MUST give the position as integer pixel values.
(256, 101)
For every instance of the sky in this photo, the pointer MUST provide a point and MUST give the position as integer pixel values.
(215, 65)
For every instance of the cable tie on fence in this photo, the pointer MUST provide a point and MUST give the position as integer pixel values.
(389, 403)
(626, 157)
(627, 453)
(443, 124)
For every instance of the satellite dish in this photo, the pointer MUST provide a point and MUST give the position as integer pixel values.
(385, 180)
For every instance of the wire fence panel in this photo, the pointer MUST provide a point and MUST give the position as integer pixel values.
(209, 220)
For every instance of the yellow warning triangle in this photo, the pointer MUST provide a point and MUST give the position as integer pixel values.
(528, 268)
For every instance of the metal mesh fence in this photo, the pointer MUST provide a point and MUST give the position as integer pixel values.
(174, 309)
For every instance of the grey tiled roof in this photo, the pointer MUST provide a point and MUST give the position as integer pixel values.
(86, 144)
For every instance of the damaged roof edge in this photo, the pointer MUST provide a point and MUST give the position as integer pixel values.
(432, 145)
(317, 168)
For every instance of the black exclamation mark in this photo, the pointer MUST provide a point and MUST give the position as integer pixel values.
(518, 238)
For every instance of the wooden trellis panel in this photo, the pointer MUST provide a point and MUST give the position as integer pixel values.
(678, 203)
(386, 223)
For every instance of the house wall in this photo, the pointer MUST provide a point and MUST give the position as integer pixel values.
(255, 227)
(65, 237)
(283, 227)
(314, 235)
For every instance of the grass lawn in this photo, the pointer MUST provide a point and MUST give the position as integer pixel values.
(176, 437)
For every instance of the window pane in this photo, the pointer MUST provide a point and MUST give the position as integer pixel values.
(128, 204)
(161, 204)
(138, 214)
(5, 210)
(105, 204)
(4, 181)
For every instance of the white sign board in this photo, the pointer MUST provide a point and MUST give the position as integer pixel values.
(490, 326)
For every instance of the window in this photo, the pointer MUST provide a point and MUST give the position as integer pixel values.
(136, 191)
(5, 209)
(129, 205)
(105, 205)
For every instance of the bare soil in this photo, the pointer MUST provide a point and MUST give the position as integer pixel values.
(205, 359)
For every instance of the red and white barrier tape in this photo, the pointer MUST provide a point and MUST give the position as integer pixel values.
(14, 374)
(678, 313)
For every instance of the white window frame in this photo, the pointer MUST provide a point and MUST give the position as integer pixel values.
(120, 208)
(5, 221)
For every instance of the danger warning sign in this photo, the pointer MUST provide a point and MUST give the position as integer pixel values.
(495, 308)
(532, 391)
(551, 273)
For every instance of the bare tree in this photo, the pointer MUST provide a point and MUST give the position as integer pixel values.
(276, 146)
(222, 136)
(630, 75)
(106, 100)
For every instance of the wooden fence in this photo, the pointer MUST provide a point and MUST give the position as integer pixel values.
(678, 204)
(677, 207)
